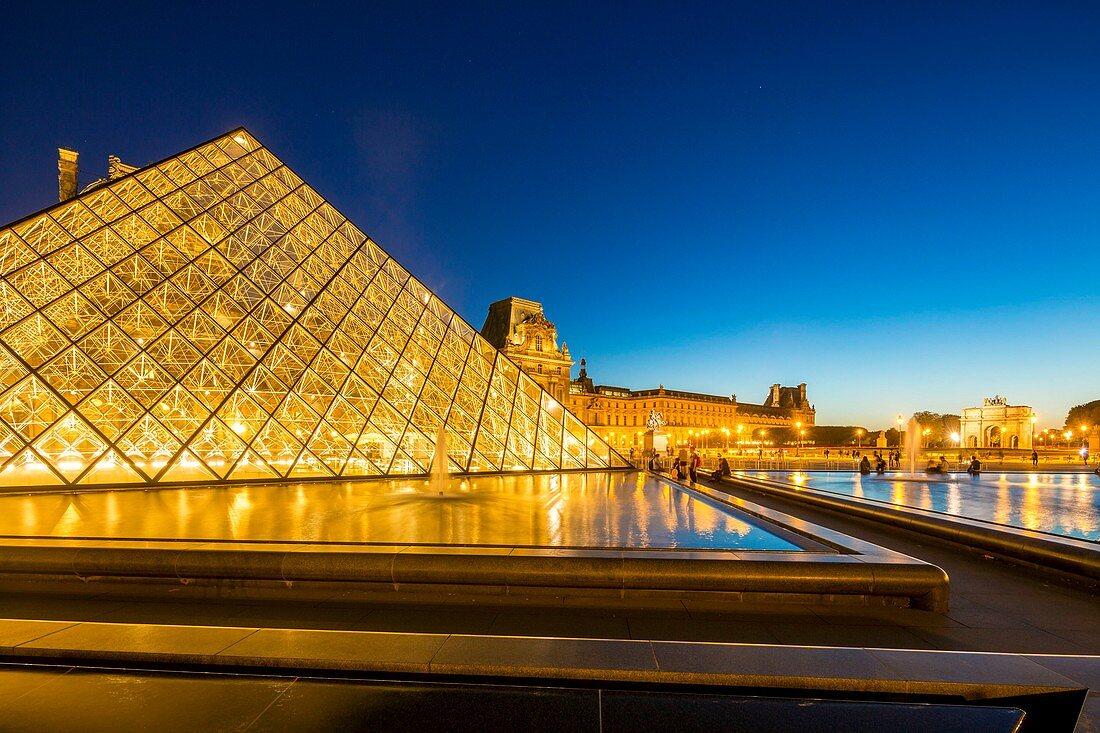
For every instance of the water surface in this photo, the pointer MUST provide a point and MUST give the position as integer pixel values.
(563, 510)
(1066, 504)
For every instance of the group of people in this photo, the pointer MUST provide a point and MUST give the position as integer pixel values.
(880, 463)
(686, 465)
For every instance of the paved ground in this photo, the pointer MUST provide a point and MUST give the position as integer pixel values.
(995, 607)
(63, 698)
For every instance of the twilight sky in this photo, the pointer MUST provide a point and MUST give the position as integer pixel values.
(897, 203)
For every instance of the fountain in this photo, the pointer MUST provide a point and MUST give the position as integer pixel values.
(912, 443)
(441, 474)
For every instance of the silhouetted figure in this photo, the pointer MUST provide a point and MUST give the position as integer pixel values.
(1034, 459)
(723, 469)
(864, 466)
(975, 466)
(880, 465)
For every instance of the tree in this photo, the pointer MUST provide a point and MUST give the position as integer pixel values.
(839, 435)
(1086, 414)
(939, 428)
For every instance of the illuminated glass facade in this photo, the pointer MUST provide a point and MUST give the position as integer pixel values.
(211, 317)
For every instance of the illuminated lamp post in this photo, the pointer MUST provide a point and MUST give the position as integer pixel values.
(739, 429)
(859, 438)
(1032, 418)
(726, 432)
(925, 433)
(955, 439)
(898, 420)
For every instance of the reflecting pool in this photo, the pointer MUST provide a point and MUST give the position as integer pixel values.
(1065, 504)
(560, 510)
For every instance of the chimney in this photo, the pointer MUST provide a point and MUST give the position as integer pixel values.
(775, 395)
(66, 173)
(802, 393)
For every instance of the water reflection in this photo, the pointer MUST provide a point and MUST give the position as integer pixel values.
(566, 510)
(1059, 503)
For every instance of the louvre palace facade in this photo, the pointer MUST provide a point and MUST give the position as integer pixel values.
(520, 329)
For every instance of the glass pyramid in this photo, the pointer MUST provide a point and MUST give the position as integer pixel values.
(211, 317)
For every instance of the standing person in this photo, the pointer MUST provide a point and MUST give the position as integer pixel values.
(655, 463)
(1034, 459)
(826, 454)
(681, 464)
(693, 469)
(1085, 455)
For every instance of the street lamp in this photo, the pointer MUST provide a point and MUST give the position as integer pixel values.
(1033, 417)
(859, 437)
(898, 421)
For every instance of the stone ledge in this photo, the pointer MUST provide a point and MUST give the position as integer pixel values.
(910, 675)
(1075, 557)
(834, 566)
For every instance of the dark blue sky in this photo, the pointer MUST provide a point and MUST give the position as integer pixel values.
(898, 203)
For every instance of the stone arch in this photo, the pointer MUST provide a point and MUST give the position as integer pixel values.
(1014, 441)
(973, 441)
(993, 436)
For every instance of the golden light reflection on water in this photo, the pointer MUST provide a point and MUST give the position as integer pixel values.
(583, 510)
(1066, 504)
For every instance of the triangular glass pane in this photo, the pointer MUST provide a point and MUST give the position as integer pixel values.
(112, 469)
(28, 468)
(251, 466)
(186, 468)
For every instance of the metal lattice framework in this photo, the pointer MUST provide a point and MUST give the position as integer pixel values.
(211, 317)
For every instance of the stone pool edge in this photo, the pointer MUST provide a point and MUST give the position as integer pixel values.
(857, 572)
(1077, 558)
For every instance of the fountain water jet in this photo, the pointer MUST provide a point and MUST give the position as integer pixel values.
(441, 473)
(912, 443)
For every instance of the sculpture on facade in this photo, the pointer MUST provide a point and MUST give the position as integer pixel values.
(655, 421)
